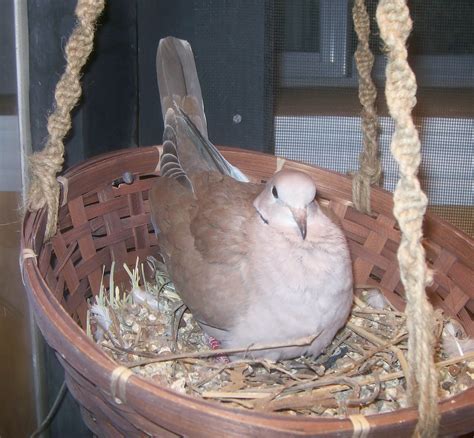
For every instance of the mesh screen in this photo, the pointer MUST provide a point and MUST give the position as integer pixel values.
(317, 107)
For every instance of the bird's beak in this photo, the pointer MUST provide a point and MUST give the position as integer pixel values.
(300, 217)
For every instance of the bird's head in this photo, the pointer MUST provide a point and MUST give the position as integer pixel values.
(286, 202)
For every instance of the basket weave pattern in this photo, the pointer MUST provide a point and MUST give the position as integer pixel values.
(100, 223)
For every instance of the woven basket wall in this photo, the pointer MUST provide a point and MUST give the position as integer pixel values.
(100, 223)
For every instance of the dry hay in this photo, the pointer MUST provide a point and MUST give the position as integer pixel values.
(150, 331)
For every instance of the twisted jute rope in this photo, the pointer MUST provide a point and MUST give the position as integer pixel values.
(370, 169)
(45, 165)
(410, 202)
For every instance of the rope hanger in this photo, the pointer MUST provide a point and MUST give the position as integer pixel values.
(394, 22)
(370, 168)
(393, 19)
(44, 189)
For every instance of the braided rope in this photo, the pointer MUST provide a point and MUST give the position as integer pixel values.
(370, 169)
(43, 187)
(409, 208)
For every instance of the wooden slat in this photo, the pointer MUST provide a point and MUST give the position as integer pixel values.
(137, 212)
(65, 265)
(86, 243)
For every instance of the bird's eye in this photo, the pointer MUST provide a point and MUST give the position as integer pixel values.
(274, 192)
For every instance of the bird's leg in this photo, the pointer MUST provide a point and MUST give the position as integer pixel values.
(215, 345)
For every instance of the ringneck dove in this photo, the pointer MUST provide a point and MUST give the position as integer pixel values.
(255, 264)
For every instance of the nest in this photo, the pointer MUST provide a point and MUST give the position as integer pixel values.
(149, 330)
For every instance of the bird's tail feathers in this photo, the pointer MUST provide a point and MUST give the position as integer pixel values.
(183, 111)
(178, 80)
(207, 151)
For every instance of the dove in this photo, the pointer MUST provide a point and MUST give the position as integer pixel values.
(254, 263)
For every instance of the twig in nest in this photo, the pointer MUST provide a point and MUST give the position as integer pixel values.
(368, 317)
(381, 343)
(269, 366)
(324, 381)
(365, 334)
(300, 402)
(225, 351)
(163, 286)
(116, 326)
(136, 341)
(213, 375)
(291, 400)
(368, 399)
(351, 369)
(122, 350)
(177, 315)
(200, 362)
(371, 311)
(401, 359)
(319, 371)
(116, 346)
(355, 347)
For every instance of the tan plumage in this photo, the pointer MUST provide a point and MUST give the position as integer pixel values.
(254, 264)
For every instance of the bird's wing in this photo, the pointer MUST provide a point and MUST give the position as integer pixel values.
(205, 244)
(220, 227)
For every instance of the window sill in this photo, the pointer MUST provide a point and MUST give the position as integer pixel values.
(332, 101)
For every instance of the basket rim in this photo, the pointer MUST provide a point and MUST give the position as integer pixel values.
(74, 339)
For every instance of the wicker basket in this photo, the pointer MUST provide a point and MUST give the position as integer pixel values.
(99, 222)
